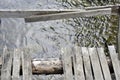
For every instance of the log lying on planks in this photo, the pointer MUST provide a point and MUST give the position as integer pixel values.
(51, 66)
(47, 66)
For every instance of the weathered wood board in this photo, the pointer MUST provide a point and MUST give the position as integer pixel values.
(95, 64)
(78, 64)
(26, 64)
(33, 15)
(104, 64)
(12, 62)
(79, 13)
(87, 64)
(67, 64)
(16, 64)
(23, 13)
(115, 62)
(7, 64)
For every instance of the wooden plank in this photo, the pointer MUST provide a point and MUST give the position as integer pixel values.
(95, 64)
(104, 64)
(67, 64)
(26, 65)
(7, 63)
(79, 13)
(78, 64)
(115, 62)
(102, 7)
(21, 13)
(16, 65)
(87, 64)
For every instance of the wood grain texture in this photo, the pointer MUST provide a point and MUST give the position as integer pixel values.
(115, 62)
(7, 63)
(74, 14)
(104, 65)
(67, 64)
(24, 13)
(16, 64)
(26, 65)
(78, 64)
(87, 64)
(95, 64)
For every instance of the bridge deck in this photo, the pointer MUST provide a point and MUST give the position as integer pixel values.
(89, 64)
(11, 61)
(79, 63)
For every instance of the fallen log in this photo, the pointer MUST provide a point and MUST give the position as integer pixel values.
(47, 66)
(51, 66)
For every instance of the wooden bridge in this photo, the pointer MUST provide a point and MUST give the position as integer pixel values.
(78, 63)
(89, 64)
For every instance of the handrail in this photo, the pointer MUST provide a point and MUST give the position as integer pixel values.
(33, 15)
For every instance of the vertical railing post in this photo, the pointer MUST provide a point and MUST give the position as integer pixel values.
(118, 41)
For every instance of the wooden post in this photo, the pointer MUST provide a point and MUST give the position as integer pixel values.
(118, 42)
